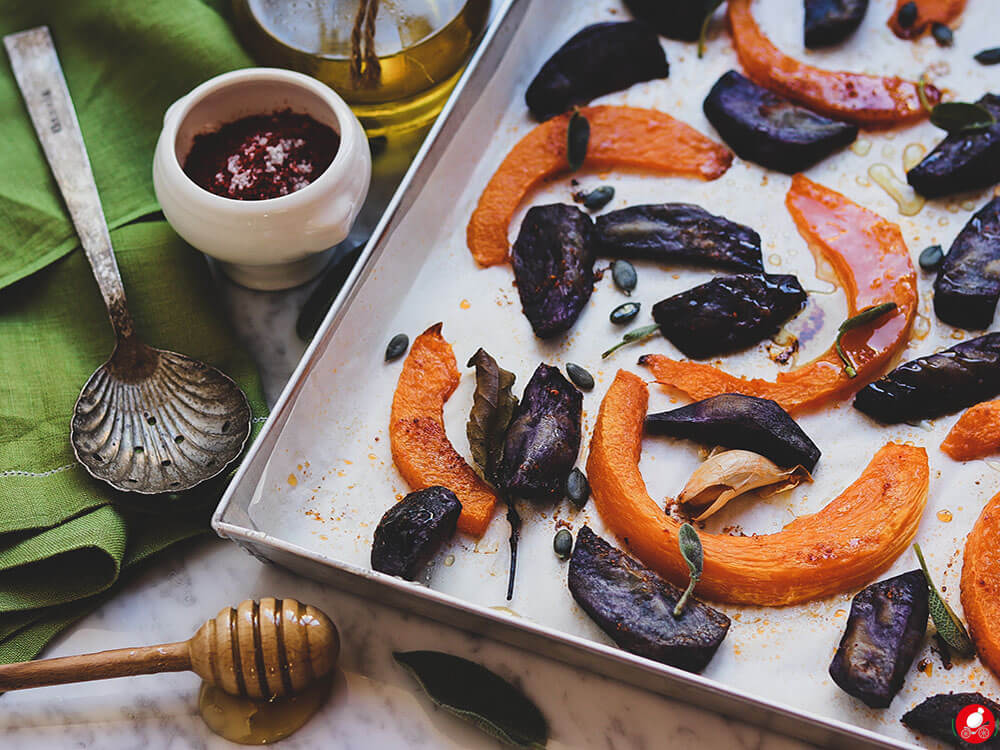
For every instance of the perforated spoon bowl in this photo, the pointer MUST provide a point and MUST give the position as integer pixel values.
(147, 420)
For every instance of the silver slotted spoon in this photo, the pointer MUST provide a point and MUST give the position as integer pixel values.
(147, 420)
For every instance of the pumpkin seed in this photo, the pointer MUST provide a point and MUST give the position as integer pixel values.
(931, 257)
(624, 313)
(397, 347)
(597, 198)
(942, 34)
(580, 377)
(907, 15)
(577, 488)
(989, 56)
(577, 138)
(624, 276)
(562, 543)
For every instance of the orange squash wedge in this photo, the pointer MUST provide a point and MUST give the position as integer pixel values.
(420, 447)
(873, 265)
(981, 585)
(838, 549)
(619, 137)
(928, 12)
(868, 101)
(976, 434)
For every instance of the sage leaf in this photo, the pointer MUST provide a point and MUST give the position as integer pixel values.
(962, 117)
(492, 408)
(864, 316)
(475, 694)
(636, 334)
(690, 544)
(949, 627)
(714, 6)
(577, 139)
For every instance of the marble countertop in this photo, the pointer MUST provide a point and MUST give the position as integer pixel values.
(374, 704)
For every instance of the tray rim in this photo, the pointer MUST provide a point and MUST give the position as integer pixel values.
(603, 659)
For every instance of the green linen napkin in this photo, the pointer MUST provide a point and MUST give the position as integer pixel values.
(125, 63)
(66, 538)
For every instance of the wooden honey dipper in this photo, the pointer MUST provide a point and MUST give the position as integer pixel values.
(268, 649)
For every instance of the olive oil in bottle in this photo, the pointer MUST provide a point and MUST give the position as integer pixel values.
(421, 47)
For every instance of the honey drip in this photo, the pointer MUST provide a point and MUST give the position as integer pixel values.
(861, 146)
(944, 516)
(907, 200)
(246, 721)
(913, 154)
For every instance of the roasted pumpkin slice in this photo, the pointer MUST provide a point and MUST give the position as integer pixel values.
(619, 137)
(873, 265)
(420, 447)
(868, 101)
(981, 585)
(976, 434)
(842, 547)
(928, 12)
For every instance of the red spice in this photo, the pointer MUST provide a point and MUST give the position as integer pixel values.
(262, 156)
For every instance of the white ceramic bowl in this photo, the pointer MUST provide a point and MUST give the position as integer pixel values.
(265, 244)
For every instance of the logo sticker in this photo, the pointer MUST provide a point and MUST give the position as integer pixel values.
(975, 724)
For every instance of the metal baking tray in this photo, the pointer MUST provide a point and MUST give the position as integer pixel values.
(315, 483)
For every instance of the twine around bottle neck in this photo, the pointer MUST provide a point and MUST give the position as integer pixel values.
(366, 70)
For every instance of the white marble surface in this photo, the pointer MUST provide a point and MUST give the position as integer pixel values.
(374, 704)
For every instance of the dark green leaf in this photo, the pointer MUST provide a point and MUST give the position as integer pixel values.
(636, 334)
(476, 694)
(690, 545)
(492, 408)
(949, 627)
(989, 56)
(864, 316)
(714, 6)
(962, 117)
(577, 139)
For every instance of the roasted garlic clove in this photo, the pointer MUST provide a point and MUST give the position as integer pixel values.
(728, 474)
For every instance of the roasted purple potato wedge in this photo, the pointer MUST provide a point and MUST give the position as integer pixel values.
(968, 283)
(554, 266)
(733, 420)
(937, 384)
(413, 530)
(543, 439)
(634, 606)
(935, 717)
(884, 630)
(728, 313)
(597, 60)
(830, 22)
(962, 161)
(678, 233)
(768, 129)
(674, 19)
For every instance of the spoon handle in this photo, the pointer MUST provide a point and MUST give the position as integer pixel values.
(122, 662)
(40, 78)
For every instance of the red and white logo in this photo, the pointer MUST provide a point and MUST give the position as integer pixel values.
(975, 724)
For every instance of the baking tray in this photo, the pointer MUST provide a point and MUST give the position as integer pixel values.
(315, 483)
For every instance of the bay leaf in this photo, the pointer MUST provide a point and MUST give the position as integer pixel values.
(475, 694)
